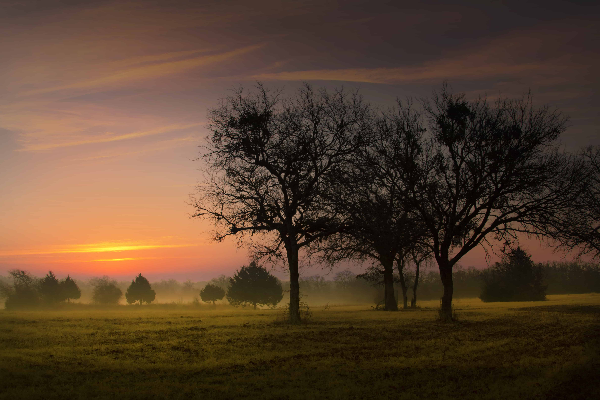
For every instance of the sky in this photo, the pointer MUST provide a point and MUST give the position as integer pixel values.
(103, 106)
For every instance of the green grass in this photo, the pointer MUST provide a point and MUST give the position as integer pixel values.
(495, 351)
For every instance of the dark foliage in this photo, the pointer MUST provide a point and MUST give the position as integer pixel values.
(106, 291)
(254, 285)
(212, 293)
(24, 291)
(69, 289)
(140, 291)
(50, 290)
(515, 278)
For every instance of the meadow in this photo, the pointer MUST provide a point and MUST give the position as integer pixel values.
(532, 350)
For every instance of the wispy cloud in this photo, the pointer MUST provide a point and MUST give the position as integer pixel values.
(106, 138)
(157, 66)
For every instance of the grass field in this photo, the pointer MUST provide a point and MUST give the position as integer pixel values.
(542, 350)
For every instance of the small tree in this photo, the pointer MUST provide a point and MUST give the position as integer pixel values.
(49, 289)
(69, 289)
(140, 290)
(254, 285)
(515, 278)
(212, 293)
(106, 291)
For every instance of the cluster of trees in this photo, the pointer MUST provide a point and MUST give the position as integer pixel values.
(329, 174)
(251, 285)
(27, 291)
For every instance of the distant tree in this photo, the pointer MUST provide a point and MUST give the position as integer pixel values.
(254, 285)
(344, 279)
(269, 162)
(140, 291)
(23, 293)
(487, 170)
(50, 290)
(188, 288)
(222, 281)
(69, 289)
(106, 291)
(514, 278)
(212, 293)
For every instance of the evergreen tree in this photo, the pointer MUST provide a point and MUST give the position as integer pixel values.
(514, 278)
(212, 293)
(50, 290)
(69, 289)
(254, 285)
(140, 290)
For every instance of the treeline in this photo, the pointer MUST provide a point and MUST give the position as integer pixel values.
(22, 290)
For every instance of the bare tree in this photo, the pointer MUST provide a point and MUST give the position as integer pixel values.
(579, 227)
(378, 225)
(270, 160)
(487, 170)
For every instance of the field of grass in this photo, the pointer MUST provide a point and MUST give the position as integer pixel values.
(542, 350)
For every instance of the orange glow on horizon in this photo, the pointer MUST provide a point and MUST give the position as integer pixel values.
(94, 248)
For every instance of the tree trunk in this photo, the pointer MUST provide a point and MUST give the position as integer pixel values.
(403, 284)
(413, 302)
(292, 256)
(255, 306)
(446, 276)
(388, 281)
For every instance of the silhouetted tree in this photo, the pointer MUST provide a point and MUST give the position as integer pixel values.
(212, 293)
(487, 170)
(50, 290)
(69, 289)
(378, 225)
(271, 159)
(579, 227)
(515, 278)
(105, 291)
(254, 285)
(140, 290)
(24, 291)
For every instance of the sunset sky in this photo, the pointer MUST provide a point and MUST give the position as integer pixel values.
(103, 105)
